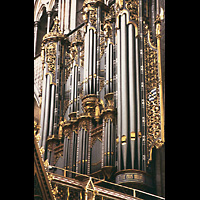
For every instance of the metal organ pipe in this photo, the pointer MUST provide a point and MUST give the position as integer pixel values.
(108, 143)
(73, 163)
(112, 145)
(43, 107)
(107, 67)
(124, 87)
(111, 67)
(86, 152)
(46, 119)
(72, 90)
(138, 100)
(85, 64)
(75, 87)
(51, 109)
(94, 63)
(90, 62)
(86, 59)
(98, 49)
(83, 152)
(132, 109)
(80, 150)
(119, 112)
(105, 143)
(141, 47)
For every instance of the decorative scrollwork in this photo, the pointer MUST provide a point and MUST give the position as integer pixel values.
(153, 119)
(132, 6)
(51, 57)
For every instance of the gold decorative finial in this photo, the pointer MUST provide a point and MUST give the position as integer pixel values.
(55, 31)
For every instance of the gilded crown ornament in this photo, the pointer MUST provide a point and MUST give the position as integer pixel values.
(55, 32)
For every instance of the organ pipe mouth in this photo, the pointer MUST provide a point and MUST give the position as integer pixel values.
(132, 135)
(123, 139)
(117, 140)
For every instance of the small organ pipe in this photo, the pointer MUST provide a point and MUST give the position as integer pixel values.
(65, 152)
(83, 152)
(112, 147)
(86, 152)
(108, 143)
(51, 109)
(105, 144)
(80, 151)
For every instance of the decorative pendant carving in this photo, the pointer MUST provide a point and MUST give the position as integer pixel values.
(51, 57)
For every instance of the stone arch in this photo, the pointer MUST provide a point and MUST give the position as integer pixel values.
(39, 12)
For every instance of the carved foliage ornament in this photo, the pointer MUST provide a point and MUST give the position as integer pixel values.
(153, 119)
(132, 6)
(51, 57)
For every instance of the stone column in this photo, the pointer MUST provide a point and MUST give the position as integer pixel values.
(48, 21)
(35, 35)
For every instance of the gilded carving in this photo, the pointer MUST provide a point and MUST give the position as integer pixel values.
(90, 13)
(51, 57)
(153, 119)
(55, 32)
(132, 6)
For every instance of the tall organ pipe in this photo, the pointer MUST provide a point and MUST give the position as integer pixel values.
(75, 87)
(138, 99)
(90, 62)
(98, 49)
(86, 56)
(132, 109)
(72, 90)
(141, 46)
(43, 106)
(107, 67)
(46, 119)
(94, 63)
(124, 86)
(119, 111)
(111, 68)
(85, 64)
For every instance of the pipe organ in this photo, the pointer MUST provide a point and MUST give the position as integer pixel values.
(102, 93)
